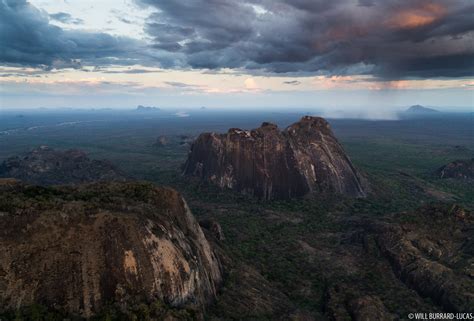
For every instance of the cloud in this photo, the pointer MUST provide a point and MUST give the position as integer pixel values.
(251, 84)
(66, 18)
(388, 39)
(366, 3)
(292, 82)
(68, 87)
(179, 84)
(124, 20)
(182, 114)
(28, 39)
(128, 71)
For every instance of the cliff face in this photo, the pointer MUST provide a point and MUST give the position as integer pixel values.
(46, 166)
(272, 164)
(78, 248)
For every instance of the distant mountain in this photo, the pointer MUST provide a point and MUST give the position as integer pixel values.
(418, 109)
(147, 108)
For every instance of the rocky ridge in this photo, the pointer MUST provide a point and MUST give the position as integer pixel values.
(385, 268)
(268, 163)
(433, 254)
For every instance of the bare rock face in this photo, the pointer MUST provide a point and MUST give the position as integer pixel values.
(46, 166)
(432, 253)
(272, 164)
(79, 248)
(460, 169)
(385, 267)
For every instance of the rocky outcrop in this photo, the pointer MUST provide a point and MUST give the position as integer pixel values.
(460, 169)
(268, 163)
(78, 248)
(161, 141)
(432, 253)
(385, 267)
(46, 166)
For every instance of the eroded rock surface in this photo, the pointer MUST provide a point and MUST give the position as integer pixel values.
(432, 253)
(385, 267)
(79, 248)
(272, 164)
(47, 166)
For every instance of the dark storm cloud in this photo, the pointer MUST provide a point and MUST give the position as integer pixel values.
(389, 39)
(28, 39)
(366, 3)
(65, 18)
(385, 38)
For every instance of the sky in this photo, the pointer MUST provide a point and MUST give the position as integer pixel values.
(372, 55)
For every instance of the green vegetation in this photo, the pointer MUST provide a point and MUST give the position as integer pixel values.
(137, 312)
(289, 242)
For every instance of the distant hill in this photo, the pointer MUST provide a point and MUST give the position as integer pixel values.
(418, 109)
(459, 169)
(46, 166)
(147, 108)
